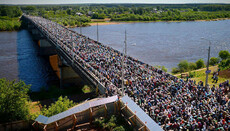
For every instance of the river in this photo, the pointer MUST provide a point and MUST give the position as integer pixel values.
(159, 43)
(165, 43)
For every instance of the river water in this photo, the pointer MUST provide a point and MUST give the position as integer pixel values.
(165, 43)
(160, 43)
(19, 60)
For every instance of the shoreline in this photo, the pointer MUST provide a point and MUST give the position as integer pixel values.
(127, 22)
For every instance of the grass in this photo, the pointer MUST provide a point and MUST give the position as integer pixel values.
(86, 89)
(201, 76)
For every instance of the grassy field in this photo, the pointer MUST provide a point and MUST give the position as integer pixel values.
(201, 76)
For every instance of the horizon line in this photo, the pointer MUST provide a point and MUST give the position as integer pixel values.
(117, 3)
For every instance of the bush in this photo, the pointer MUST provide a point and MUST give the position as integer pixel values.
(192, 74)
(183, 66)
(192, 66)
(72, 23)
(62, 104)
(164, 68)
(213, 61)
(65, 23)
(224, 64)
(113, 123)
(175, 70)
(9, 25)
(224, 54)
(119, 128)
(200, 63)
(14, 101)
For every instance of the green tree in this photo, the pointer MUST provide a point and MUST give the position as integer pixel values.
(192, 66)
(13, 100)
(213, 61)
(200, 63)
(62, 104)
(224, 54)
(119, 128)
(175, 70)
(195, 9)
(183, 66)
(69, 11)
(224, 64)
(164, 68)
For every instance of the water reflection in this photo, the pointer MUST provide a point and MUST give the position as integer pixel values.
(33, 69)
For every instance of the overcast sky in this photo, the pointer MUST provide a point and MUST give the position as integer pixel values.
(109, 1)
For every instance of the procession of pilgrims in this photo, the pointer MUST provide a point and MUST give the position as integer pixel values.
(173, 103)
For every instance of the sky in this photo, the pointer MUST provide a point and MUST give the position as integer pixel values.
(109, 1)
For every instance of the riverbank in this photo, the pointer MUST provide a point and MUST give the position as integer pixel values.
(10, 24)
(199, 75)
(127, 22)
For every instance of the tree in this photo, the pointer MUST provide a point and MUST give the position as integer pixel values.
(200, 63)
(195, 9)
(224, 54)
(192, 66)
(213, 61)
(13, 100)
(175, 70)
(62, 104)
(164, 68)
(69, 11)
(224, 64)
(183, 66)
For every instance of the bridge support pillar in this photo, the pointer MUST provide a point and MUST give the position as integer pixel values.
(45, 48)
(67, 75)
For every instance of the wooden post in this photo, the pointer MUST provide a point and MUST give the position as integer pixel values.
(119, 106)
(56, 126)
(141, 128)
(135, 118)
(145, 127)
(115, 107)
(105, 107)
(44, 128)
(90, 115)
(130, 118)
(35, 125)
(74, 121)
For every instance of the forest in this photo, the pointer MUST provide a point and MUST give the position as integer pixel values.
(9, 18)
(82, 14)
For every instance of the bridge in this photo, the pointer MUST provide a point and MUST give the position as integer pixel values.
(98, 64)
(52, 41)
(170, 101)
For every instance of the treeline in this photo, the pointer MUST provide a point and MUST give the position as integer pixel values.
(81, 15)
(172, 15)
(135, 12)
(63, 16)
(9, 19)
(215, 8)
(223, 62)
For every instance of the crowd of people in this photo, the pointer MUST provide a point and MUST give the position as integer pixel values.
(173, 103)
